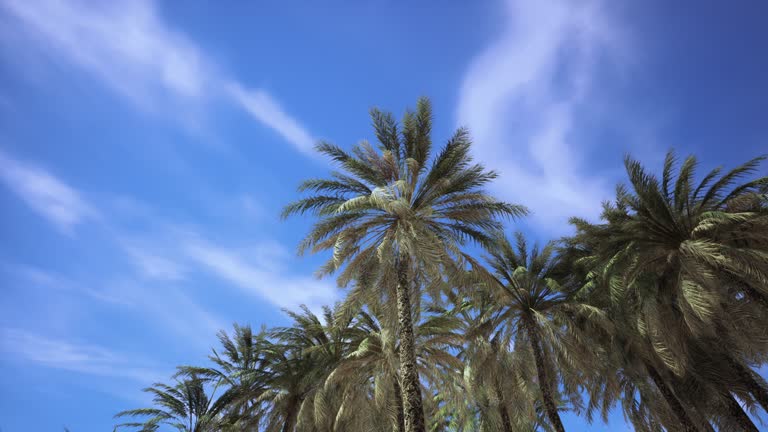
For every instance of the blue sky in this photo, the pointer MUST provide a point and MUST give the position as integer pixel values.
(147, 147)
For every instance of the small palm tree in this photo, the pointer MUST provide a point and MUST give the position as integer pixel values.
(296, 360)
(323, 342)
(530, 309)
(239, 366)
(393, 211)
(185, 406)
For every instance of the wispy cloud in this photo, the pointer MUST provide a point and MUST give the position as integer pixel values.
(50, 197)
(122, 43)
(155, 266)
(265, 109)
(262, 269)
(265, 276)
(173, 309)
(521, 98)
(37, 277)
(153, 297)
(128, 46)
(73, 356)
(168, 257)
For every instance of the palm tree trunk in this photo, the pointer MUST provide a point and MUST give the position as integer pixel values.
(738, 414)
(541, 369)
(506, 423)
(291, 415)
(400, 411)
(412, 404)
(746, 377)
(672, 401)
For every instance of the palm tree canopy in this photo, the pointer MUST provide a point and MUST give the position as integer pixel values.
(661, 307)
(186, 406)
(685, 253)
(394, 199)
(686, 234)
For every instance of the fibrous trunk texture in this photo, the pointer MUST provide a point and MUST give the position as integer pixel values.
(411, 388)
(400, 410)
(544, 383)
(672, 401)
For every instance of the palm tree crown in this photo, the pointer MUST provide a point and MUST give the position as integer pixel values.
(660, 307)
(393, 208)
(185, 406)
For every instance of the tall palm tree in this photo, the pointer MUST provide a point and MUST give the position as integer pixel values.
(185, 406)
(494, 387)
(623, 366)
(525, 296)
(683, 254)
(531, 309)
(372, 366)
(391, 210)
(686, 238)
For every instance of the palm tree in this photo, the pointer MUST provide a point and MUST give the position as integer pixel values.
(495, 379)
(687, 238)
(372, 365)
(185, 406)
(286, 385)
(623, 367)
(239, 366)
(526, 297)
(623, 360)
(683, 254)
(323, 342)
(532, 309)
(494, 386)
(392, 211)
(296, 361)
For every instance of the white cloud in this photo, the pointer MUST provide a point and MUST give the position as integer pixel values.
(127, 45)
(264, 275)
(154, 298)
(38, 277)
(521, 99)
(265, 109)
(123, 43)
(260, 269)
(53, 199)
(155, 266)
(72, 356)
(173, 310)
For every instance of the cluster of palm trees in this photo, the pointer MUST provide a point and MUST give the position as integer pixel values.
(660, 308)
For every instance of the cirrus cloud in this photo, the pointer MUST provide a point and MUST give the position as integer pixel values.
(44, 193)
(522, 98)
(128, 46)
